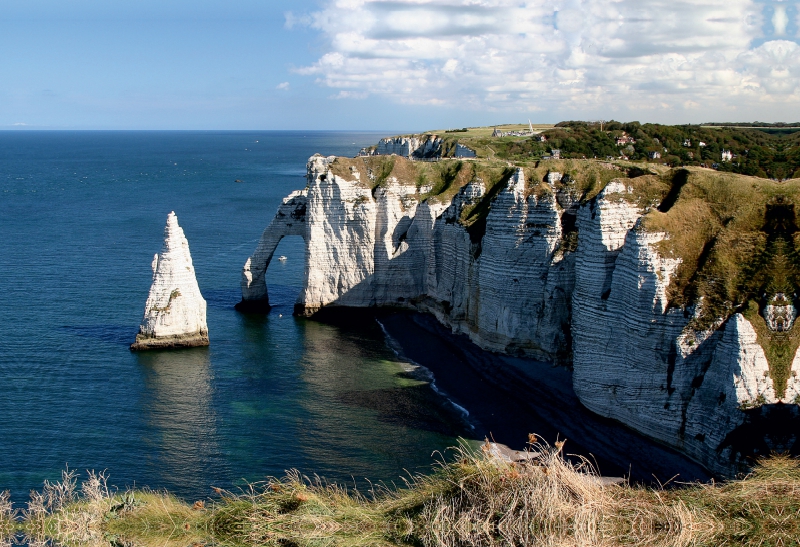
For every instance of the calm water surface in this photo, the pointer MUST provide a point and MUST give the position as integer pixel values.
(81, 215)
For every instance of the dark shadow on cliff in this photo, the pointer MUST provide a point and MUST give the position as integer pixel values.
(679, 180)
(767, 429)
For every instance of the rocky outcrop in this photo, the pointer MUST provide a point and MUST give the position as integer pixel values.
(418, 147)
(463, 151)
(423, 146)
(499, 262)
(509, 290)
(638, 361)
(175, 312)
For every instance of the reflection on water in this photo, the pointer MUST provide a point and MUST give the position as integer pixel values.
(178, 405)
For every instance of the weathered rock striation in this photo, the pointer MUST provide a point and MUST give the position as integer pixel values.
(175, 312)
(424, 146)
(578, 263)
(419, 147)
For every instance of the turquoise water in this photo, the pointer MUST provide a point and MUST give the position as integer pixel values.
(81, 215)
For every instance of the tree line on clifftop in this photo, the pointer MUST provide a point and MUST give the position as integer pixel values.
(770, 151)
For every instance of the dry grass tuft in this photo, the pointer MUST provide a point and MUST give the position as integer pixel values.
(8, 518)
(477, 499)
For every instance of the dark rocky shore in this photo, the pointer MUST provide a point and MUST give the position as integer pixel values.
(144, 343)
(508, 397)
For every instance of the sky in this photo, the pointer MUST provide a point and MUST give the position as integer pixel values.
(407, 65)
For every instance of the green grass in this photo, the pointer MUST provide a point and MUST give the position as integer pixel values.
(472, 499)
(736, 238)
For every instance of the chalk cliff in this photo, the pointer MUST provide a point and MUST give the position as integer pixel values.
(426, 146)
(419, 147)
(578, 263)
(175, 312)
(289, 220)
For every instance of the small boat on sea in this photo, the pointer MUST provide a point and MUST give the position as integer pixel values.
(282, 258)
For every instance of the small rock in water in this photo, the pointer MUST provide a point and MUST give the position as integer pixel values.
(175, 312)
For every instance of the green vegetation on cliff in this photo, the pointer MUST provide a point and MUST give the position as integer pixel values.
(737, 239)
(761, 150)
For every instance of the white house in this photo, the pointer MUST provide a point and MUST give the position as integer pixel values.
(727, 155)
(624, 139)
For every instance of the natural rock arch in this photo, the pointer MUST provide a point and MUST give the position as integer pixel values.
(289, 220)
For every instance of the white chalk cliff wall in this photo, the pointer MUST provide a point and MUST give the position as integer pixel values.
(516, 286)
(175, 312)
(510, 293)
(424, 146)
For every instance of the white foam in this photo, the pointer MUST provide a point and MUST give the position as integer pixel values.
(421, 372)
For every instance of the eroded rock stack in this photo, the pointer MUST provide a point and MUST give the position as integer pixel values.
(175, 312)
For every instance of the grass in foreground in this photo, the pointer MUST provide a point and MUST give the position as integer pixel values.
(476, 499)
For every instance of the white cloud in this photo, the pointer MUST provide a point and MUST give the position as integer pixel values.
(292, 20)
(780, 20)
(533, 54)
(283, 86)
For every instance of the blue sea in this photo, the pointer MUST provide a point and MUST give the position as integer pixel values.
(81, 216)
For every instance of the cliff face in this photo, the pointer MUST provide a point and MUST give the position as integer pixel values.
(420, 147)
(175, 311)
(631, 358)
(508, 290)
(425, 146)
(539, 263)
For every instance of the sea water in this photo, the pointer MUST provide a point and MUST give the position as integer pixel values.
(81, 216)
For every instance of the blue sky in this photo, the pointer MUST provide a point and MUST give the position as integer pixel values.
(393, 64)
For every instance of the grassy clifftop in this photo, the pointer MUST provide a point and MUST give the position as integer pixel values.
(737, 239)
(753, 149)
(476, 499)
